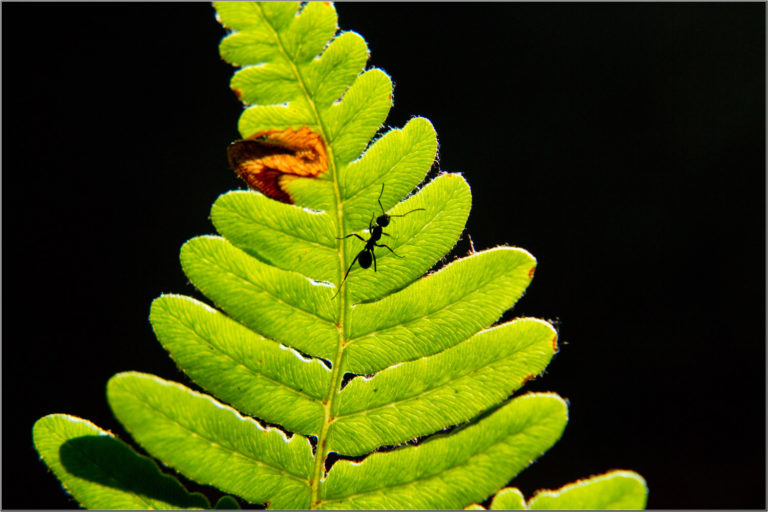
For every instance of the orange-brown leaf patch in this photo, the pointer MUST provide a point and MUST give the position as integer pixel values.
(267, 159)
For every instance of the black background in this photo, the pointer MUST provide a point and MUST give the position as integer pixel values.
(623, 145)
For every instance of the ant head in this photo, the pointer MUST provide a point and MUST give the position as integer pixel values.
(383, 220)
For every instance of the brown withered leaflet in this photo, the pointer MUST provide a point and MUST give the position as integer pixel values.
(266, 160)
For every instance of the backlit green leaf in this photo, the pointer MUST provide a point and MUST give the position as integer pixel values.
(211, 443)
(616, 490)
(455, 470)
(102, 472)
(254, 374)
(422, 396)
(509, 498)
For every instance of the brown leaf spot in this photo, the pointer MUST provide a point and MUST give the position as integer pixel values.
(554, 343)
(266, 160)
(531, 272)
(238, 93)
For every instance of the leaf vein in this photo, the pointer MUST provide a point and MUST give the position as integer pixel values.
(466, 371)
(262, 290)
(427, 316)
(267, 226)
(241, 364)
(441, 473)
(214, 442)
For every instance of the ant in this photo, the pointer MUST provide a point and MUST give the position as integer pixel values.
(376, 230)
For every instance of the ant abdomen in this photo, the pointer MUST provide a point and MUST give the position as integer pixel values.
(365, 259)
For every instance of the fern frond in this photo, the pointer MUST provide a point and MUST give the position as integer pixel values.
(327, 321)
(277, 274)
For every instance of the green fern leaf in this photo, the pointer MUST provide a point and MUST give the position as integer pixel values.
(459, 468)
(227, 503)
(329, 325)
(212, 443)
(102, 472)
(616, 490)
(508, 499)
(423, 396)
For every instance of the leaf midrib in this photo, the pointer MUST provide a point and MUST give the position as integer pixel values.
(336, 373)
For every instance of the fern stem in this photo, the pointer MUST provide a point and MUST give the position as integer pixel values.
(336, 376)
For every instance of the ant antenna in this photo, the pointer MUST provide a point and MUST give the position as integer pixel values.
(383, 219)
(380, 194)
(414, 210)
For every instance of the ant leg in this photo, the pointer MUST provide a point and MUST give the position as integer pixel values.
(414, 210)
(390, 250)
(353, 234)
(345, 275)
(374, 261)
(350, 268)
